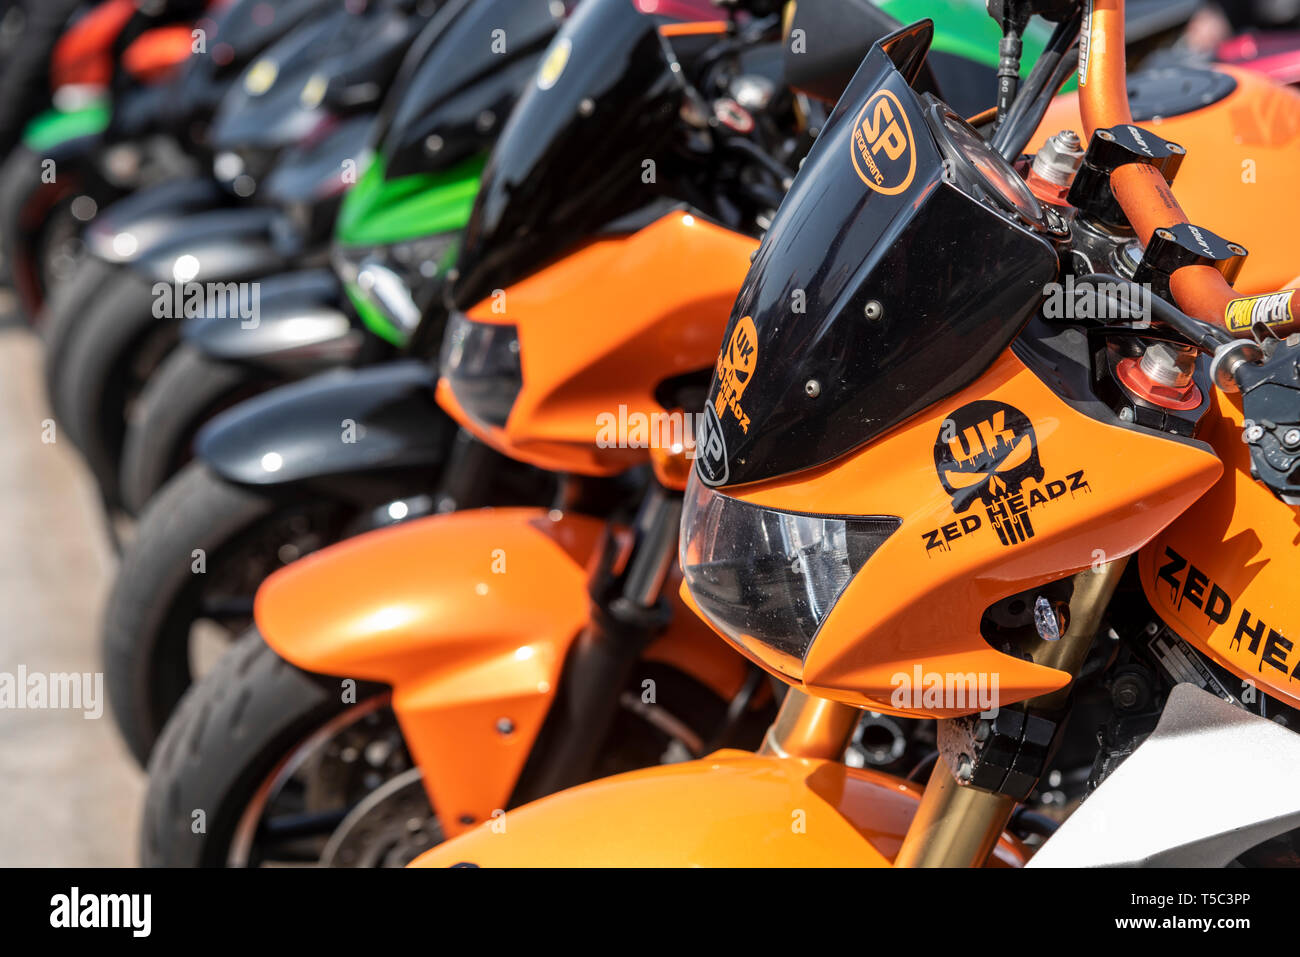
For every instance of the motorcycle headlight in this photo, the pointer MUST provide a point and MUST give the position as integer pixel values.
(392, 285)
(480, 361)
(767, 579)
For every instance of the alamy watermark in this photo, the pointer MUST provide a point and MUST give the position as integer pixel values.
(674, 431)
(949, 691)
(25, 690)
(218, 300)
(1126, 301)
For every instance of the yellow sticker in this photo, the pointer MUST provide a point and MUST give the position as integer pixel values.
(736, 367)
(260, 76)
(557, 58)
(313, 91)
(1273, 309)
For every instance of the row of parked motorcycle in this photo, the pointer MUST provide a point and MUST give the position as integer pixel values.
(665, 432)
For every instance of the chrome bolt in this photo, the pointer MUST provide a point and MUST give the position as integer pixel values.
(1252, 434)
(1291, 437)
(965, 769)
(813, 388)
(873, 310)
(505, 726)
(1126, 414)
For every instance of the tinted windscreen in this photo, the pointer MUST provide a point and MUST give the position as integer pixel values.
(461, 79)
(883, 286)
(571, 156)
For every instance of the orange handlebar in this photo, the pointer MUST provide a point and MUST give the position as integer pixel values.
(1141, 191)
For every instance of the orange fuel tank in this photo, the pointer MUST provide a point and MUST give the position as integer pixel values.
(761, 812)
(1243, 159)
(1223, 576)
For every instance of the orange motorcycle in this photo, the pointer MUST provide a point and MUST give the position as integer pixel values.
(481, 659)
(993, 438)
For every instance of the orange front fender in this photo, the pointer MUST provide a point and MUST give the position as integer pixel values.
(469, 618)
(731, 809)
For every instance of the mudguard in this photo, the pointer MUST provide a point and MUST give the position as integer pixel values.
(296, 325)
(322, 168)
(474, 655)
(221, 245)
(361, 430)
(731, 809)
(146, 219)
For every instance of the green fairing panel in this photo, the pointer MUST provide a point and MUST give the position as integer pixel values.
(58, 126)
(378, 211)
(964, 28)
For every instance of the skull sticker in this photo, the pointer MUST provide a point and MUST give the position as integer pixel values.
(987, 450)
(735, 368)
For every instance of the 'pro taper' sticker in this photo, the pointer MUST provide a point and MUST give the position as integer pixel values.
(882, 149)
(1273, 309)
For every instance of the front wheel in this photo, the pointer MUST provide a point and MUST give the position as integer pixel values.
(99, 372)
(266, 765)
(185, 587)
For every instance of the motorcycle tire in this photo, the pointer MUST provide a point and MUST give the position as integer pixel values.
(186, 390)
(68, 306)
(239, 534)
(102, 367)
(230, 735)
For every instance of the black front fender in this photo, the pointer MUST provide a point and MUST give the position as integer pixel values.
(294, 324)
(221, 245)
(151, 217)
(363, 433)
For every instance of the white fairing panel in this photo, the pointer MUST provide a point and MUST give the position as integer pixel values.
(1210, 782)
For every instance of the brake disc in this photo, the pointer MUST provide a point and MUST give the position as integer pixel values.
(390, 827)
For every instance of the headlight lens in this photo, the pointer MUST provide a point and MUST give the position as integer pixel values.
(770, 578)
(480, 361)
(394, 284)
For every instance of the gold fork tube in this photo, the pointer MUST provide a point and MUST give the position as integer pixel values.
(809, 727)
(959, 826)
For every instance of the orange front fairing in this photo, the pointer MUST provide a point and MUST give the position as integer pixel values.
(1074, 492)
(599, 331)
(154, 56)
(732, 809)
(83, 55)
(1223, 576)
(469, 618)
(1243, 158)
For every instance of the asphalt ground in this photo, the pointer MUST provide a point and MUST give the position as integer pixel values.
(70, 794)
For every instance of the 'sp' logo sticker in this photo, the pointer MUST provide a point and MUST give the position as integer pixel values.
(882, 148)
